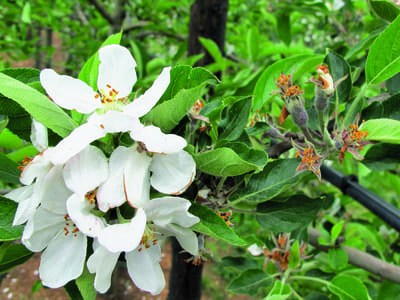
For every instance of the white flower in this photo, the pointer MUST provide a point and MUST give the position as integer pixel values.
(166, 216)
(33, 175)
(116, 78)
(132, 171)
(50, 228)
(83, 173)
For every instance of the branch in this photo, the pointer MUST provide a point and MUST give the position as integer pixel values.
(361, 259)
(135, 26)
(143, 34)
(103, 11)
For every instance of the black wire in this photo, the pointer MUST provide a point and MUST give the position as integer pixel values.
(349, 185)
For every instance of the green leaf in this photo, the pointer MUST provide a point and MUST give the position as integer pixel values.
(213, 225)
(236, 119)
(9, 171)
(3, 122)
(363, 44)
(223, 162)
(288, 214)
(187, 85)
(252, 43)
(26, 13)
(90, 69)
(279, 291)
(213, 49)
(294, 257)
(348, 288)
(382, 157)
(37, 105)
(384, 9)
(276, 178)
(383, 59)
(85, 284)
(283, 26)
(7, 212)
(20, 154)
(249, 282)
(253, 156)
(337, 258)
(265, 85)
(339, 68)
(390, 108)
(388, 290)
(238, 263)
(25, 75)
(393, 84)
(169, 113)
(384, 130)
(9, 140)
(336, 230)
(19, 121)
(14, 255)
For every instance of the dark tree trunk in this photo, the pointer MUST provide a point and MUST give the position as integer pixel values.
(207, 19)
(185, 278)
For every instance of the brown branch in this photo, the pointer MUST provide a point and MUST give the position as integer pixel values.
(101, 9)
(361, 259)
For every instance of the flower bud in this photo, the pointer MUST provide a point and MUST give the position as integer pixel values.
(321, 100)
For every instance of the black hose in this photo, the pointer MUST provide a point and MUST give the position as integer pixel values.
(349, 185)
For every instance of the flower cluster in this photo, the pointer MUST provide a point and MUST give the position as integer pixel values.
(73, 192)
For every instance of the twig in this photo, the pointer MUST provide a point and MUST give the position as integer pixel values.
(135, 26)
(161, 33)
(101, 9)
(361, 259)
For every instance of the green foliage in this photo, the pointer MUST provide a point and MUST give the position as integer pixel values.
(12, 255)
(9, 171)
(250, 281)
(274, 180)
(8, 232)
(383, 130)
(287, 214)
(348, 287)
(383, 60)
(211, 224)
(37, 105)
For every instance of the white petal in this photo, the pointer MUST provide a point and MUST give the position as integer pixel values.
(39, 136)
(124, 237)
(145, 270)
(157, 141)
(78, 140)
(86, 170)
(255, 250)
(111, 193)
(116, 69)
(68, 92)
(142, 105)
(172, 173)
(63, 260)
(166, 210)
(186, 237)
(102, 262)
(137, 177)
(79, 210)
(115, 121)
(41, 229)
(38, 167)
(27, 203)
(52, 191)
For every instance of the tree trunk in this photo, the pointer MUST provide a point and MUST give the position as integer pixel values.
(207, 19)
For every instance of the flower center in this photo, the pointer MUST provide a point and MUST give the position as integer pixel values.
(148, 239)
(91, 197)
(70, 227)
(26, 161)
